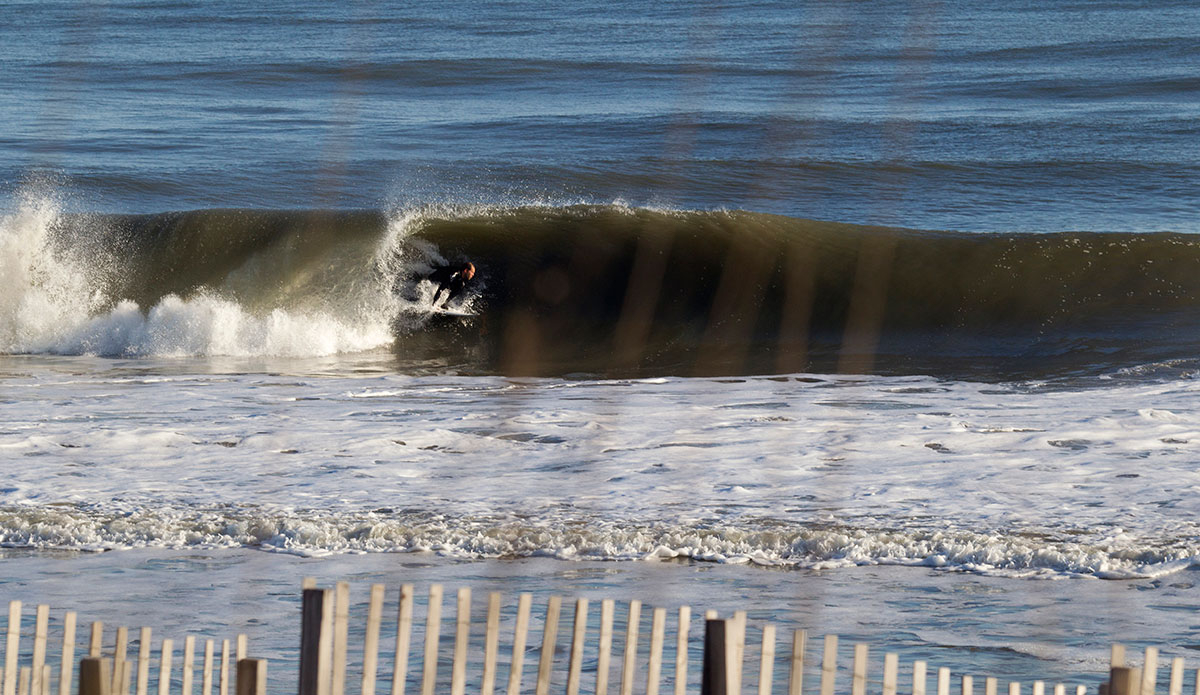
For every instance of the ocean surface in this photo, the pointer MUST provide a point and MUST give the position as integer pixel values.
(870, 318)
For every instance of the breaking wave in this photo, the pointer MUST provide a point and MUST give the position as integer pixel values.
(598, 289)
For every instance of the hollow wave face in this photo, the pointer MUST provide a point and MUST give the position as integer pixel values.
(601, 289)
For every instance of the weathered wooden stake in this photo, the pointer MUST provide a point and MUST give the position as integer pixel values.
(658, 628)
(1123, 680)
(796, 676)
(433, 627)
(223, 684)
(1176, 685)
(968, 686)
(918, 678)
(11, 646)
(739, 651)
(829, 665)
(578, 636)
(371, 639)
(1150, 671)
(95, 640)
(66, 666)
(341, 637)
(189, 664)
(858, 679)
(681, 650)
(491, 646)
(943, 687)
(520, 630)
(462, 636)
(252, 677)
(316, 612)
(629, 662)
(604, 652)
(403, 640)
(989, 686)
(120, 658)
(549, 638)
(713, 678)
(143, 664)
(891, 667)
(164, 667)
(766, 662)
(94, 676)
(40, 630)
(206, 681)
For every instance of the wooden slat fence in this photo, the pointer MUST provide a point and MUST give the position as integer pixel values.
(29, 671)
(514, 650)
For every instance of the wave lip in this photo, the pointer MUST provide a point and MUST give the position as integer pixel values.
(769, 543)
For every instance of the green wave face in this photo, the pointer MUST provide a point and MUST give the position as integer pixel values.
(614, 290)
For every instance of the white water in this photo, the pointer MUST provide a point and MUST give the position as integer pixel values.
(48, 304)
(1020, 480)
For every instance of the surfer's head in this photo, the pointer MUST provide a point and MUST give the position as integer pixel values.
(468, 271)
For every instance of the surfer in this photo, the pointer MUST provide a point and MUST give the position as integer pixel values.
(451, 279)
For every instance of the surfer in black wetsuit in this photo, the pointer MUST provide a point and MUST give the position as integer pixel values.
(452, 280)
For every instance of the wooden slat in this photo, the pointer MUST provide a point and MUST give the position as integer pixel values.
(188, 678)
(520, 631)
(604, 650)
(796, 675)
(94, 676)
(739, 651)
(858, 680)
(370, 667)
(341, 637)
(143, 662)
(41, 630)
(1176, 685)
(918, 678)
(164, 667)
(829, 666)
(549, 638)
(578, 637)
(241, 650)
(1117, 656)
(206, 675)
(251, 676)
(629, 662)
(710, 614)
(1150, 671)
(1014, 688)
(968, 686)
(403, 640)
(462, 635)
(95, 641)
(891, 668)
(433, 626)
(989, 686)
(12, 644)
(681, 650)
(66, 666)
(1060, 689)
(120, 658)
(23, 681)
(658, 628)
(223, 680)
(766, 662)
(1039, 688)
(943, 682)
(491, 645)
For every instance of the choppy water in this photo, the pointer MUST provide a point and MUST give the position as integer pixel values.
(796, 286)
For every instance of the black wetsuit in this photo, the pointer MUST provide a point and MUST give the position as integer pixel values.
(449, 279)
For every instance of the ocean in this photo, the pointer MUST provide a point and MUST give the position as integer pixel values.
(877, 319)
